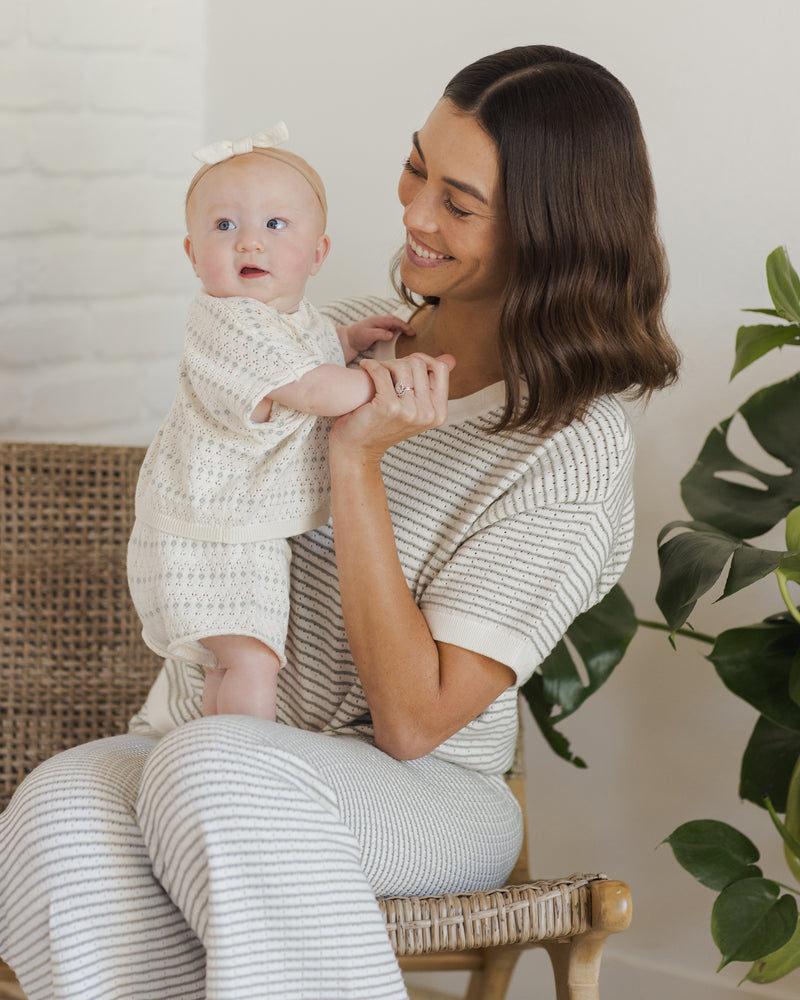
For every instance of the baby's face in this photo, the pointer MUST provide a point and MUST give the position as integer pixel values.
(256, 229)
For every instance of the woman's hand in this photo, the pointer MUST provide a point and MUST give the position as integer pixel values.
(410, 397)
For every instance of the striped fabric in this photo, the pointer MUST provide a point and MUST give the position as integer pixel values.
(240, 858)
(246, 865)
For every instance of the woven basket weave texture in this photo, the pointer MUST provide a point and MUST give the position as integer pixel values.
(73, 665)
(536, 911)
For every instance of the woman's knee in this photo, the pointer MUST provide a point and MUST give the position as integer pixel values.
(190, 770)
(195, 756)
(84, 781)
(71, 814)
(223, 765)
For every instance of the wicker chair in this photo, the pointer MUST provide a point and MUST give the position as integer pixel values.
(73, 668)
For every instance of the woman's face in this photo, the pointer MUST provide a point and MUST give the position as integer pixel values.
(457, 234)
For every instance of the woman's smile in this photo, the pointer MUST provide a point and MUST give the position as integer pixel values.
(423, 254)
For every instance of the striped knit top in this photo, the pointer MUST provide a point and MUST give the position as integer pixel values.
(503, 538)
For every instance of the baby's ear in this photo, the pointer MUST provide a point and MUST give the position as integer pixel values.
(187, 246)
(323, 246)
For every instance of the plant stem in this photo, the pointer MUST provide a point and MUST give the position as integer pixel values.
(687, 632)
(787, 597)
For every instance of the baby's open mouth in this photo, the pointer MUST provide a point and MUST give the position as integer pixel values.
(251, 272)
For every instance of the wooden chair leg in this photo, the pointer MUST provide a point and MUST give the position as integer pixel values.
(576, 962)
(492, 980)
(576, 966)
(559, 955)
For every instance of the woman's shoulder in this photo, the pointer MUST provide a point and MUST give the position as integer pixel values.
(586, 462)
(603, 433)
(591, 456)
(606, 424)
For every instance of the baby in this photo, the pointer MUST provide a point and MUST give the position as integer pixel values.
(240, 462)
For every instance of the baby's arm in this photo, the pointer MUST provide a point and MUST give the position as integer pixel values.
(326, 391)
(359, 336)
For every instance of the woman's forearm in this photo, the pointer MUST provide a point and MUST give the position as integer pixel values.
(419, 691)
(396, 657)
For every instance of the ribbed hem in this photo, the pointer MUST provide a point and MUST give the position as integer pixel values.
(217, 532)
(482, 637)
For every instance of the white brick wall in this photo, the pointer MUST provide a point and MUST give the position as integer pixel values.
(101, 103)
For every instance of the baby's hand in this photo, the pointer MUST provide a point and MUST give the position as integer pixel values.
(359, 336)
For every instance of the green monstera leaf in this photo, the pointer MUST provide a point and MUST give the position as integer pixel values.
(755, 663)
(751, 919)
(593, 646)
(789, 569)
(784, 285)
(712, 490)
(693, 555)
(753, 342)
(715, 853)
(768, 763)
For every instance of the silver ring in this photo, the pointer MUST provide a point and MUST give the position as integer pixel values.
(401, 388)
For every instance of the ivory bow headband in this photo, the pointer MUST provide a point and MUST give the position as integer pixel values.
(216, 152)
(265, 143)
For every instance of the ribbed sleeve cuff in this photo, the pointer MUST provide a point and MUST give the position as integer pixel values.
(484, 637)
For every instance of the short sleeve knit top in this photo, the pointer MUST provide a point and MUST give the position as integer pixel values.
(212, 473)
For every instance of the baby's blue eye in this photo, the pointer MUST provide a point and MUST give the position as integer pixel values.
(225, 225)
(276, 224)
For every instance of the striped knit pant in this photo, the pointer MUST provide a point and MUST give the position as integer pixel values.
(235, 859)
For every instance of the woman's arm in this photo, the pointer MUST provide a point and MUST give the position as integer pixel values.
(419, 691)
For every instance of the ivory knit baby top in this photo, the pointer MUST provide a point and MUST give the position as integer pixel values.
(211, 473)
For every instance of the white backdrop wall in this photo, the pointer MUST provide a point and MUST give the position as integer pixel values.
(100, 104)
(99, 101)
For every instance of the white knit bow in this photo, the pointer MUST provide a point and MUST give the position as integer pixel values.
(216, 152)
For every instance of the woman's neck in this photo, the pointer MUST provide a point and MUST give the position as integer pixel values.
(469, 334)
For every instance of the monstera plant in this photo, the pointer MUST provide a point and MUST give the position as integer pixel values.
(732, 503)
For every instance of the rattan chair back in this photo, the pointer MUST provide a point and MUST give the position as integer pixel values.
(73, 666)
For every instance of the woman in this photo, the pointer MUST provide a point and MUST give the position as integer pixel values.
(480, 502)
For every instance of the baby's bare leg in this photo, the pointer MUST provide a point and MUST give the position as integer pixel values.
(246, 681)
(213, 680)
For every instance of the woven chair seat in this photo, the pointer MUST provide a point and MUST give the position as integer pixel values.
(516, 914)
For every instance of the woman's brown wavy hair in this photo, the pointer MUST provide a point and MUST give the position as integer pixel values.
(582, 315)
